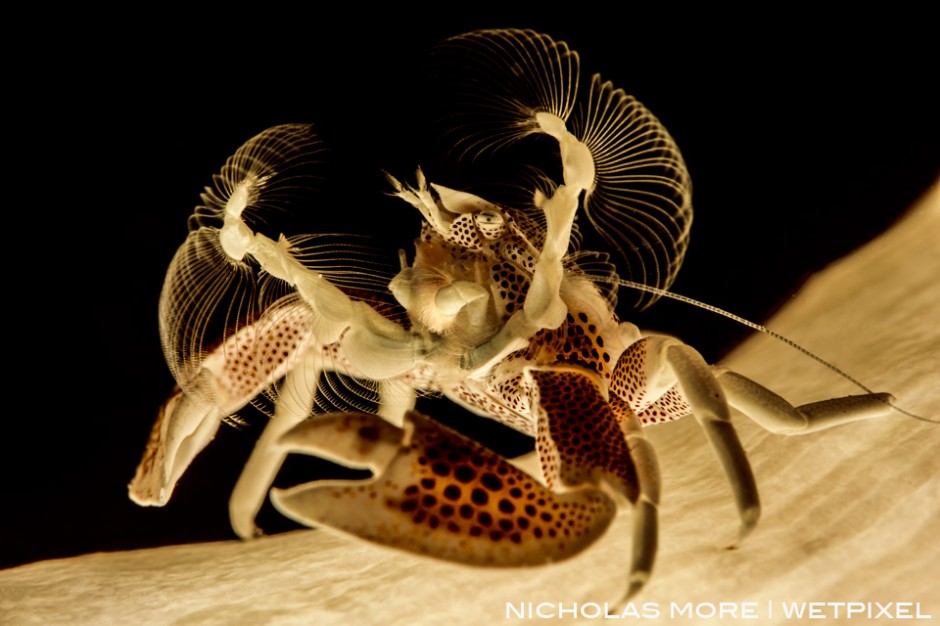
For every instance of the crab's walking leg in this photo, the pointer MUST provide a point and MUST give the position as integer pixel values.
(710, 407)
(295, 402)
(376, 347)
(779, 416)
(585, 440)
(436, 492)
(396, 399)
(645, 528)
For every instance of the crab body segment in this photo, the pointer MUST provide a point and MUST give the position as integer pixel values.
(497, 311)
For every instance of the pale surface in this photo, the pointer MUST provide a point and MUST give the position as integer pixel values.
(849, 515)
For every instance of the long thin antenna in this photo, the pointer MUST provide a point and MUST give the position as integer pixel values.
(758, 327)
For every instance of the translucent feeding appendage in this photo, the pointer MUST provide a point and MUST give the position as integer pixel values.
(638, 195)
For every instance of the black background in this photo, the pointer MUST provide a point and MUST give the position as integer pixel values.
(805, 137)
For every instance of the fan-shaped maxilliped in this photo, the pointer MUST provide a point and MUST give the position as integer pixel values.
(501, 88)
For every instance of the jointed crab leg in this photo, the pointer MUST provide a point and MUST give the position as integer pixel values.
(295, 399)
(710, 408)
(779, 416)
(657, 364)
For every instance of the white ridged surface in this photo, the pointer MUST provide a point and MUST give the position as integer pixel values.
(849, 515)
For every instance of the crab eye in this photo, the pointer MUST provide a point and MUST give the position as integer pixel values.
(489, 223)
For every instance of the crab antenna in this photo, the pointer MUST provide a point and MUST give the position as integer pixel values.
(758, 327)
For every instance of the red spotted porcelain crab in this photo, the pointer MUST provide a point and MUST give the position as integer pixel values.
(496, 310)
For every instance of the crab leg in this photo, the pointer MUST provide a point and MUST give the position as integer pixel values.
(777, 415)
(295, 401)
(700, 387)
(296, 397)
(436, 492)
(396, 398)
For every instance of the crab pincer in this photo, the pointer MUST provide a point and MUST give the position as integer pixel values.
(436, 492)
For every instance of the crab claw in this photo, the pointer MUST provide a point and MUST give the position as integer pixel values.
(438, 493)
(584, 438)
(183, 428)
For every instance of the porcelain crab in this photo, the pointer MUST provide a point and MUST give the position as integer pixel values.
(496, 309)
